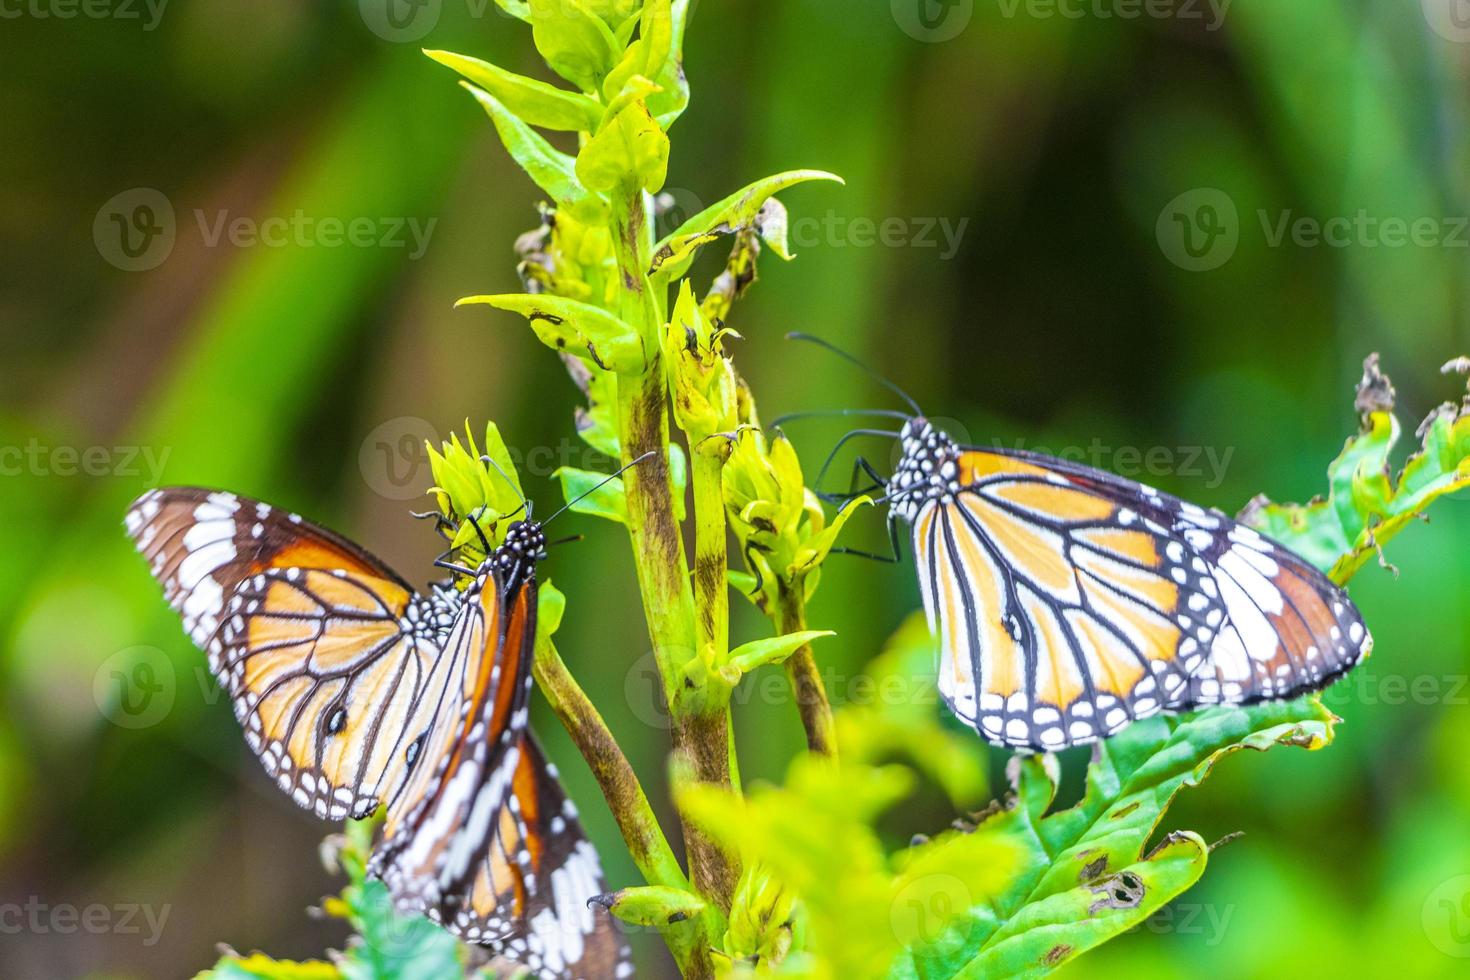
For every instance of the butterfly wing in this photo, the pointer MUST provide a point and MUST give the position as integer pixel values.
(440, 825)
(531, 890)
(323, 650)
(1070, 602)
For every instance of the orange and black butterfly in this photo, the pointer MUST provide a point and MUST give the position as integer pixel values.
(355, 691)
(1069, 602)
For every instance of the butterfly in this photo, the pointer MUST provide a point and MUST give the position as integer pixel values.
(1069, 602)
(355, 691)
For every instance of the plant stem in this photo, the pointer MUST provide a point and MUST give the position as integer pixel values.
(711, 560)
(646, 842)
(700, 730)
(801, 667)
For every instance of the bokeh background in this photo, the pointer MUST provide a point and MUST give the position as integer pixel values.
(1129, 193)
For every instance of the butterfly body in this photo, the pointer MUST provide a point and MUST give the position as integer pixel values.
(357, 692)
(1069, 602)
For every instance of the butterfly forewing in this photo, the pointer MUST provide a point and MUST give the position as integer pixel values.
(1069, 602)
(322, 649)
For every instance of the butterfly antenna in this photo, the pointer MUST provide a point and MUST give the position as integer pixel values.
(887, 413)
(566, 540)
(526, 504)
(572, 503)
(828, 345)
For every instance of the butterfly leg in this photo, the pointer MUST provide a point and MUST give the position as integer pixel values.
(827, 463)
(893, 543)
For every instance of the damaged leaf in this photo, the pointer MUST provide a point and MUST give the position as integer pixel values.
(1366, 504)
(741, 210)
(572, 327)
(1086, 875)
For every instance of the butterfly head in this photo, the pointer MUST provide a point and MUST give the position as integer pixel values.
(523, 547)
(927, 468)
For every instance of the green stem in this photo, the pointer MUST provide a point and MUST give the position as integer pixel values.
(711, 561)
(646, 842)
(806, 680)
(700, 729)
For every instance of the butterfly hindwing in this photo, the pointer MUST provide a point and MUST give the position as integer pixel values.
(533, 886)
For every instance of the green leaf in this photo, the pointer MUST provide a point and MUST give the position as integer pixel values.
(608, 501)
(741, 210)
(653, 906)
(519, 9)
(529, 99)
(629, 151)
(772, 650)
(816, 835)
(553, 171)
(551, 605)
(899, 718)
(258, 966)
(1043, 917)
(577, 43)
(1365, 506)
(673, 96)
(573, 327)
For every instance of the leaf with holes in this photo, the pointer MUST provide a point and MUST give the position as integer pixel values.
(1087, 877)
(1365, 505)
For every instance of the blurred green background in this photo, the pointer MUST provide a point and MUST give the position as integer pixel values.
(1114, 178)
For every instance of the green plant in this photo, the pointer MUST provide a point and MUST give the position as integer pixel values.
(796, 880)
